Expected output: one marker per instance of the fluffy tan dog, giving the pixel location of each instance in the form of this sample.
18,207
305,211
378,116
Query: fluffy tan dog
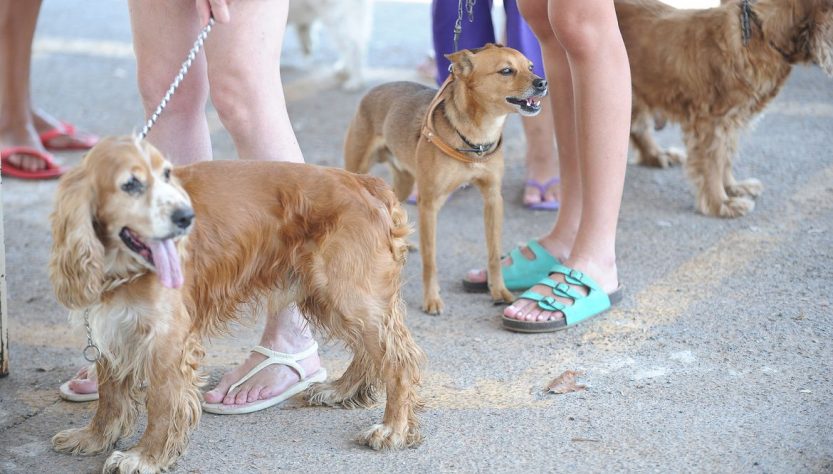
129,254
692,67
444,139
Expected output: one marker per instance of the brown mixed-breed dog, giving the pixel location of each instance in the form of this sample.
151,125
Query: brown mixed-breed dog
153,280
441,140
692,67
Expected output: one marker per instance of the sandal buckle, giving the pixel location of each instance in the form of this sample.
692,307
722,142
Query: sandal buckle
576,274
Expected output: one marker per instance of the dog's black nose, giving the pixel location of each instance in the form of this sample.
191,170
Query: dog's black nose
540,83
183,217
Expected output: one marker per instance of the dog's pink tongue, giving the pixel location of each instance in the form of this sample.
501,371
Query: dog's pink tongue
166,260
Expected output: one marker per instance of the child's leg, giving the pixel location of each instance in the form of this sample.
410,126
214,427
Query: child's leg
541,156
592,48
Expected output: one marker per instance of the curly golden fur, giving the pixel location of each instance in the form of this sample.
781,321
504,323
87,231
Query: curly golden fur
692,67
265,233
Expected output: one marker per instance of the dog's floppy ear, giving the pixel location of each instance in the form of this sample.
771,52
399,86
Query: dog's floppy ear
76,264
460,62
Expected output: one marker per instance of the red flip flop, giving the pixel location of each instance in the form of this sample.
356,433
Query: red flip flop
51,171
66,129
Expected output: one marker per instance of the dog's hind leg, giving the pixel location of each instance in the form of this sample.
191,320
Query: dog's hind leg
114,417
361,145
750,187
358,387
648,152
362,305
403,183
710,145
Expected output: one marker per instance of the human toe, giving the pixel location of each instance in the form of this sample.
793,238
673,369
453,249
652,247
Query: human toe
477,276
83,386
255,394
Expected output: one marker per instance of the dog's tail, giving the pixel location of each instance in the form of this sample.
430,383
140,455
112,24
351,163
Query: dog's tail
399,226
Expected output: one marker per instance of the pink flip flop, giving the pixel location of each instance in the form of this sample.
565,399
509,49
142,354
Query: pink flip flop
84,141
51,171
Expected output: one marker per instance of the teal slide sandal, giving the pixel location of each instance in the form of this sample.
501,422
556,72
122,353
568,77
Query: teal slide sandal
523,273
583,307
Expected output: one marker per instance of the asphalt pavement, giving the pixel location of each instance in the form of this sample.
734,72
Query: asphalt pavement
718,359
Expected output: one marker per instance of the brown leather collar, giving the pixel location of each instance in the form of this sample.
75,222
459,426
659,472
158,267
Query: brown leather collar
431,135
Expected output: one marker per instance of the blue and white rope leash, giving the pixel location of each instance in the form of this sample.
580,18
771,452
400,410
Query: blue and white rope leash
183,70
91,352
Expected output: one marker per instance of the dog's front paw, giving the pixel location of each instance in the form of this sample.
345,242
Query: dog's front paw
381,437
130,462
432,305
80,441
747,188
501,295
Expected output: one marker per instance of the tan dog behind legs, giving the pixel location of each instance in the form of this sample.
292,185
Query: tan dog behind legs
692,67
154,280
465,126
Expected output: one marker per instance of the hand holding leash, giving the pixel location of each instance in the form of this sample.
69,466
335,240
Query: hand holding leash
217,9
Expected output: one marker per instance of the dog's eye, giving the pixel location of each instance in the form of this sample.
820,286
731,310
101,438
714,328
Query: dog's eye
530,67
133,186
167,174
507,71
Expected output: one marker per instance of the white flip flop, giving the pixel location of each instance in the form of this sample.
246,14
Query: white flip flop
272,357
69,395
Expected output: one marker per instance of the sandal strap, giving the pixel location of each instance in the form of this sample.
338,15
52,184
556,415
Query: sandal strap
583,306
281,358
542,187
575,277
561,289
547,303
522,269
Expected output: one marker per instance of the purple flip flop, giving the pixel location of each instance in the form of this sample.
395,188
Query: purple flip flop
542,187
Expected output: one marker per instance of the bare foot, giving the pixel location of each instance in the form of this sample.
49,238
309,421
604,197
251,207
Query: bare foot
542,183
267,383
85,381
553,247
78,139
22,135
539,192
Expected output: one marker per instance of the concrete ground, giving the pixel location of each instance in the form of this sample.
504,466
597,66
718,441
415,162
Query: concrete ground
718,360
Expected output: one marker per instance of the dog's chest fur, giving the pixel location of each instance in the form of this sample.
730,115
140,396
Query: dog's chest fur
125,326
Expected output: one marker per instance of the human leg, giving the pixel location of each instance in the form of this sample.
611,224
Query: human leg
541,155
588,35
248,95
17,30
246,88
542,183
163,32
